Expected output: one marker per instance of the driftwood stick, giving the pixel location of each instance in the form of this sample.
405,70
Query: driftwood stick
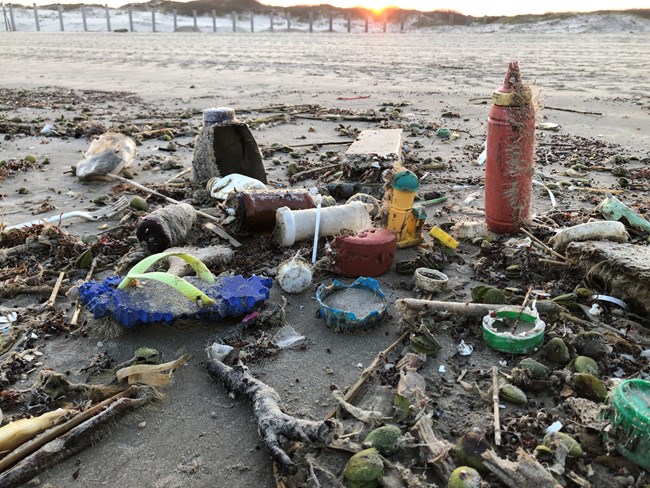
526,471
11,290
153,132
434,451
336,117
495,405
22,249
55,290
69,438
220,231
273,423
463,309
78,307
303,175
354,389
343,142
585,112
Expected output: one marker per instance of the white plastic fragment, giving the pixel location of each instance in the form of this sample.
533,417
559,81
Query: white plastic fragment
595,310
287,337
483,156
442,369
519,243
554,427
221,188
49,130
550,193
503,363
590,231
464,349
645,354
616,301
9,318
218,351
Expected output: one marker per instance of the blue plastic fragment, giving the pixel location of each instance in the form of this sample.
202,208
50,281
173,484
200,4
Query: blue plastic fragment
131,306
347,321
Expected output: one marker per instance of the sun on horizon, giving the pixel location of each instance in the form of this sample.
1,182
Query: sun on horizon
375,5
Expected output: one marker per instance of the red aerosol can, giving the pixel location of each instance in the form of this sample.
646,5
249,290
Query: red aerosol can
509,164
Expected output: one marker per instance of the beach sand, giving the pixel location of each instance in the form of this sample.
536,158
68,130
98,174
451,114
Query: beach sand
200,436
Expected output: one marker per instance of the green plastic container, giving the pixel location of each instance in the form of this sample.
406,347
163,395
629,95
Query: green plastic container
629,415
497,331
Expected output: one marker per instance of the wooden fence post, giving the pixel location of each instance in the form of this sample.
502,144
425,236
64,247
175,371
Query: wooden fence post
175,19
60,9
311,21
196,24
38,26
153,19
108,19
130,19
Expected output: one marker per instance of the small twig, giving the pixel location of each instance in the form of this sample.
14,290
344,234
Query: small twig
78,307
55,290
335,118
462,375
597,190
153,131
523,306
312,475
585,112
546,248
495,406
303,175
182,173
329,143
354,389
557,263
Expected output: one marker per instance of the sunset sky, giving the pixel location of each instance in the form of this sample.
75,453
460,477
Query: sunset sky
468,7
482,7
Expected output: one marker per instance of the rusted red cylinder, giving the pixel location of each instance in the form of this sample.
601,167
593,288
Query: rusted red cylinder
257,208
369,253
510,150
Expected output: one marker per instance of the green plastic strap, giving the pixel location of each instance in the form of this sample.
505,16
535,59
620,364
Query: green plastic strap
201,270
188,290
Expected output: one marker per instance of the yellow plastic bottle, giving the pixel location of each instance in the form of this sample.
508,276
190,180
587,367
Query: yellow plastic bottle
402,217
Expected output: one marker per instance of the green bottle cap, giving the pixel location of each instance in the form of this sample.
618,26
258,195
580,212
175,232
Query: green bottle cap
405,181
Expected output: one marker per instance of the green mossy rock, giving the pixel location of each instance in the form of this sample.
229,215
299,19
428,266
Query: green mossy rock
575,450
139,203
557,351
363,468
591,344
588,386
536,369
584,364
510,393
464,477
386,439
494,297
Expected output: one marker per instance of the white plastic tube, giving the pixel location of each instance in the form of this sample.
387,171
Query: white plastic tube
319,200
296,225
